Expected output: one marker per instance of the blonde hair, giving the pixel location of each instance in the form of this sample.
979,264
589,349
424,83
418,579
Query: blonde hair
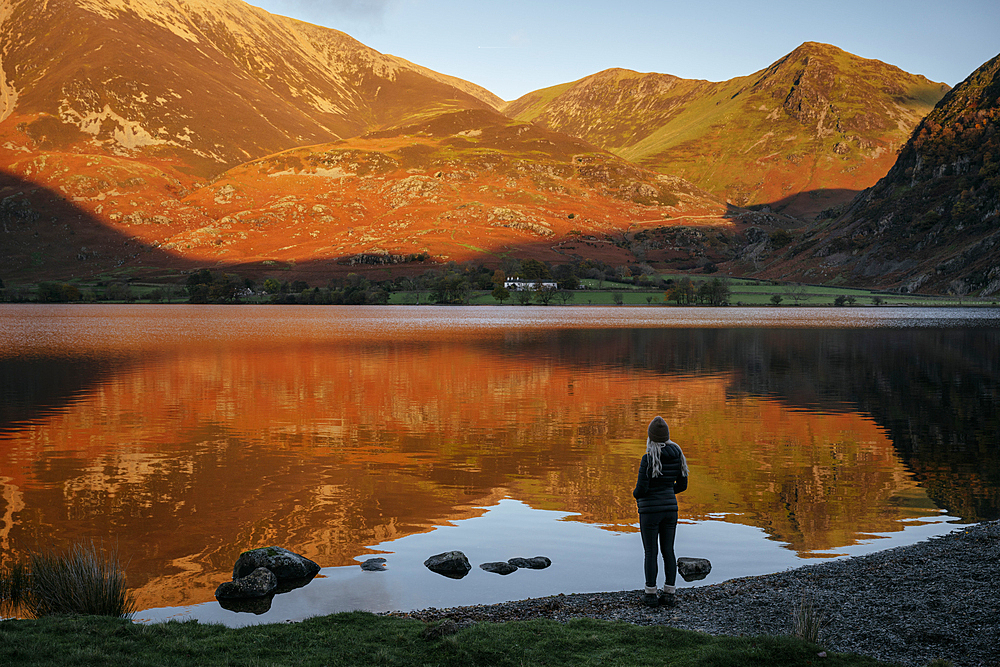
653,451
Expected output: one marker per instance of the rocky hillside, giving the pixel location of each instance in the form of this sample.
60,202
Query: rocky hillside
808,132
933,222
462,185
201,85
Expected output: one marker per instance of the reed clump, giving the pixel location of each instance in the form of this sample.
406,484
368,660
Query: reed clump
86,580
807,619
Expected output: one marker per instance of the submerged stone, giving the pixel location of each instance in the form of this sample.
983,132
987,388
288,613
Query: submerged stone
499,567
536,563
374,565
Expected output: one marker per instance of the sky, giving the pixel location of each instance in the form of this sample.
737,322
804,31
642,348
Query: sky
512,47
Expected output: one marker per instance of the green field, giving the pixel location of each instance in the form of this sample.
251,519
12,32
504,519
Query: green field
742,292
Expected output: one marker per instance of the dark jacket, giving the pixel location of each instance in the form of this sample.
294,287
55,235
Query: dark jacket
656,494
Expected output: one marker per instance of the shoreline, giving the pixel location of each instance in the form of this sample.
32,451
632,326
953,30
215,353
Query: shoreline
936,599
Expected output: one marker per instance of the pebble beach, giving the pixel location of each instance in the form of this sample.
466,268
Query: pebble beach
937,599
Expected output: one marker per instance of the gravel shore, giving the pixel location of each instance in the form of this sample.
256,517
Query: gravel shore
909,605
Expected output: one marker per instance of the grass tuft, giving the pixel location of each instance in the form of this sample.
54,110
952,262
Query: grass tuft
807,619
86,580
13,587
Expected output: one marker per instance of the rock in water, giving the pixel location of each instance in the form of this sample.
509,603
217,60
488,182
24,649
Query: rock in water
452,564
499,567
374,565
693,569
536,563
259,583
282,562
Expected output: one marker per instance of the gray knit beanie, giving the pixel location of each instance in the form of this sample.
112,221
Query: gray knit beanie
658,430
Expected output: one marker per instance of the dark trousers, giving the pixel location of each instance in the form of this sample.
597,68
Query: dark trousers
658,527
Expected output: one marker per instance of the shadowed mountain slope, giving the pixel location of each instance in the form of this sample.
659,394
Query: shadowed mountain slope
804,134
933,222
45,234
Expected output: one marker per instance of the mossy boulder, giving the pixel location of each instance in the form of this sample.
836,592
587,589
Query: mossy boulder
259,583
285,564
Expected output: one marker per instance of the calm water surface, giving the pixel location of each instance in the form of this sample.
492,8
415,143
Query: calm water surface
187,434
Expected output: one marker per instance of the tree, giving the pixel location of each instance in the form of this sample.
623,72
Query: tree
618,297
714,292
565,296
201,277
682,291
49,292
272,286
798,293
500,293
499,278
704,292
569,283
120,292
719,292
377,295
523,296
532,269
776,299
686,287
545,294
226,289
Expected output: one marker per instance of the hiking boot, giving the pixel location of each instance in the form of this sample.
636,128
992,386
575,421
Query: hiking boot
650,599
667,599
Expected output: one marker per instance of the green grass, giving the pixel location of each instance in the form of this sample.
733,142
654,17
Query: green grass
742,293
360,638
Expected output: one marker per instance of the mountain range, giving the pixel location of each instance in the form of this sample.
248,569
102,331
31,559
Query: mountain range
156,135
801,135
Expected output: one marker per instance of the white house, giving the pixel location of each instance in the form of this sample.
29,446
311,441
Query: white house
520,284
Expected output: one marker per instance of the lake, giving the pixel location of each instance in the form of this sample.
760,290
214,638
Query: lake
184,435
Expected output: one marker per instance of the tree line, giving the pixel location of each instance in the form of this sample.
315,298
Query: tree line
450,283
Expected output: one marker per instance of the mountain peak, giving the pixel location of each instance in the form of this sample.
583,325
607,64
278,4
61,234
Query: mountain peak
807,132
212,83
932,222
811,48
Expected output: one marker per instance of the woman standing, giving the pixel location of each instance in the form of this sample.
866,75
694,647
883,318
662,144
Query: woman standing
663,472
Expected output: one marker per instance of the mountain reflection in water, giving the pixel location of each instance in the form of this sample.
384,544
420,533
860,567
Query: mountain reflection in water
186,435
